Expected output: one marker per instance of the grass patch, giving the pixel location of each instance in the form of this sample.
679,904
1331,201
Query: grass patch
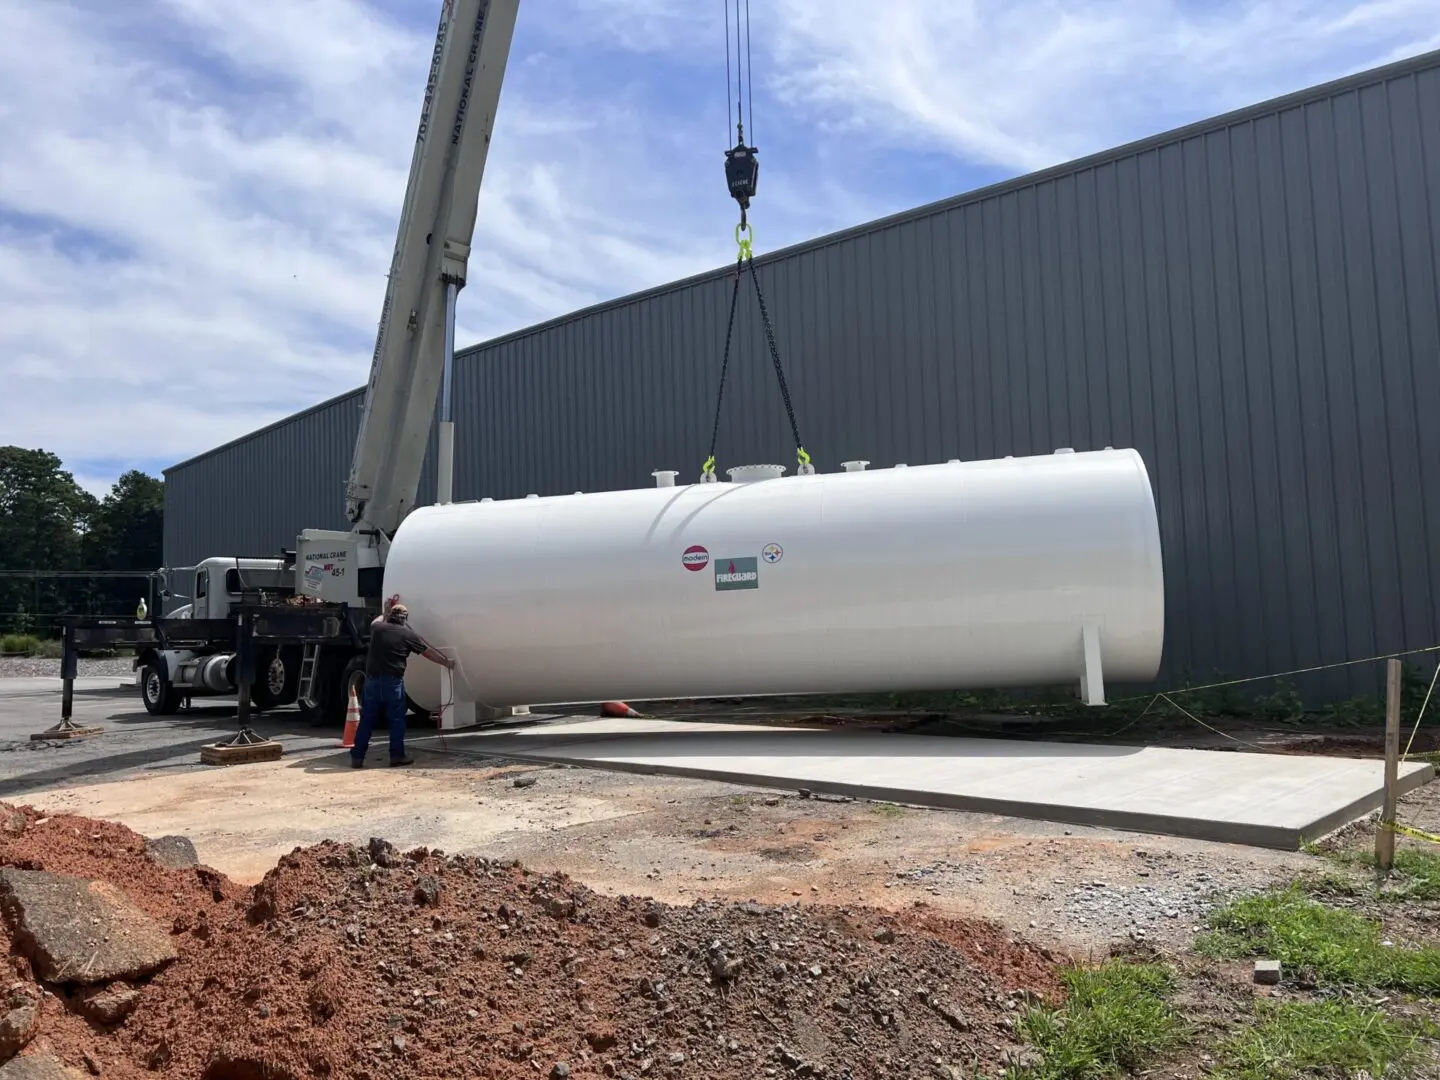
887,809
1419,872
1415,875
1298,1039
1339,946
19,643
1115,1019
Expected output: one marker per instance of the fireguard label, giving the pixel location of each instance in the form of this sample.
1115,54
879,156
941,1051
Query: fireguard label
736,574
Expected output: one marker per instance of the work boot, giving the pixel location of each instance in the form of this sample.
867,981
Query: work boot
357,762
407,760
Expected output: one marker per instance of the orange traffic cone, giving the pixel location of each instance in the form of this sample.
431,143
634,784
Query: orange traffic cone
619,709
352,721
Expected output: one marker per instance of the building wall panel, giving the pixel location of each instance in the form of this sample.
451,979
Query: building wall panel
1251,302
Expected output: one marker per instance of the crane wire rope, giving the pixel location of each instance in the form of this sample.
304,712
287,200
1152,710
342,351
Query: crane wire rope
741,174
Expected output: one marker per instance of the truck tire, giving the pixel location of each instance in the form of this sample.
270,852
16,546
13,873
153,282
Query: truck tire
277,677
353,678
161,697
337,670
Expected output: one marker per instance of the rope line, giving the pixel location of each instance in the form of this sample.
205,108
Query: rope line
1420,715
1287,674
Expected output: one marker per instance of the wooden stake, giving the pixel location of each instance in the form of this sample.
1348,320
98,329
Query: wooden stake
1384,835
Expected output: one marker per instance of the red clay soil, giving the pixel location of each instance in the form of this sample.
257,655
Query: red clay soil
428,966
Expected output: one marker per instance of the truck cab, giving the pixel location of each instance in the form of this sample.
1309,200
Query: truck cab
210,591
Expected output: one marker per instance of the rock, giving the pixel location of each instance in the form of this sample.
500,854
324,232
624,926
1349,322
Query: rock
561,1071
1267,972
19,1022
13,822
382,852
107,1004
172,852
557,907
77,931
772,801
91,1063
951,1015
427,892
524,782
38,1068
884,935
652,915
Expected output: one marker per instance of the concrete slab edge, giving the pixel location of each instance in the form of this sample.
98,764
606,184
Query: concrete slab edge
1281,838
1359,808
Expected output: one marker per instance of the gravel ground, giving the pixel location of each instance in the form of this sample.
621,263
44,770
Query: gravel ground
22,667
1180,888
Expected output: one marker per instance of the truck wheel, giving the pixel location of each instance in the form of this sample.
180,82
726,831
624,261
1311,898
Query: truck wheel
277,678
332,680
354,678
161,697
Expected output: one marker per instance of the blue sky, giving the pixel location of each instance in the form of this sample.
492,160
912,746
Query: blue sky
198,198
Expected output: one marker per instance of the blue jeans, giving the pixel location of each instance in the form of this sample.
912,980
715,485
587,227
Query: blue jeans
382,693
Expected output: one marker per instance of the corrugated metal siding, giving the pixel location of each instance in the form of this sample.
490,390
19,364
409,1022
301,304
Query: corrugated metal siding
1252,304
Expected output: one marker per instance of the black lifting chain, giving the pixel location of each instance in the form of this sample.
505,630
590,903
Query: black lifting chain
742,263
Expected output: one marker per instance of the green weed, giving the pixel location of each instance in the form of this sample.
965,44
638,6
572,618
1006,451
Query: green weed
1339,946
887,809
1114,1020
1295,1040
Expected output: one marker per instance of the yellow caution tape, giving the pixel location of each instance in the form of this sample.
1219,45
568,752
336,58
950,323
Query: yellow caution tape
1406,830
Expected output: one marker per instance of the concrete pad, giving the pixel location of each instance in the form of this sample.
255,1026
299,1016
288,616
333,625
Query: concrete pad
1265,800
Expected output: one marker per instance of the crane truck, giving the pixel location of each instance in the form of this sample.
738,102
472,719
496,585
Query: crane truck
293,628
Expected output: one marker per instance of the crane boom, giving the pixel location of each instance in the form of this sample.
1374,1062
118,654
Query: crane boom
432,249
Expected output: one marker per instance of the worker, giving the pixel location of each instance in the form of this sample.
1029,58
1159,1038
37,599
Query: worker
391,643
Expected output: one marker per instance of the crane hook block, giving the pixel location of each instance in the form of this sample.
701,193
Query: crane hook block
742,172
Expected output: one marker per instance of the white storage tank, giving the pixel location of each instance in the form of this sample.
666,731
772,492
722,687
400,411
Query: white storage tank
1034,571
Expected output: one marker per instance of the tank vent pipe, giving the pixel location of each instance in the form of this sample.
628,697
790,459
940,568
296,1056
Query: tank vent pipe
854,466
665,477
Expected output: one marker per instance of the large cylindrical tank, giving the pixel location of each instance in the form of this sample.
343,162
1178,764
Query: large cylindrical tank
981,574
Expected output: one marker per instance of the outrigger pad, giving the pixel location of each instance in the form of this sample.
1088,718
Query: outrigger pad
66,730
241,753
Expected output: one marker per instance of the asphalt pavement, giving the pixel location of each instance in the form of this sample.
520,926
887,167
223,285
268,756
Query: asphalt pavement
134,743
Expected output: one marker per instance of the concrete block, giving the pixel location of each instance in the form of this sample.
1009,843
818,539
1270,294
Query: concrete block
1267,972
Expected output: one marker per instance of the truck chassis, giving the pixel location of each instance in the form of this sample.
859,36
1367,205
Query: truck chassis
270,654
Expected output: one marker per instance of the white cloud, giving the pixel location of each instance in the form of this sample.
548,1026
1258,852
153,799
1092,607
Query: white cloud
1029,84
198,199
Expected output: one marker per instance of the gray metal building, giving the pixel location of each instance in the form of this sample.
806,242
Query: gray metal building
1253,302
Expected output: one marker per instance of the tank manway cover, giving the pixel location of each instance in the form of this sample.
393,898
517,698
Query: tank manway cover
744,474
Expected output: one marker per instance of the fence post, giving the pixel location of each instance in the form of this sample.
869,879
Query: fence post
1384,834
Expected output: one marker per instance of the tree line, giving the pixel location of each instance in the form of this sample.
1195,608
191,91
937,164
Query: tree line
58,542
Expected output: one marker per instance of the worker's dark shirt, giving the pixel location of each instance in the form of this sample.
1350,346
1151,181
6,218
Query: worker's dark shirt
390,645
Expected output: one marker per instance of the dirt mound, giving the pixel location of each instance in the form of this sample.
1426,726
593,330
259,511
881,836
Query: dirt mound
368,963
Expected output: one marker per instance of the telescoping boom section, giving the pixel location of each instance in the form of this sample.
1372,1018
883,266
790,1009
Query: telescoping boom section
432,251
